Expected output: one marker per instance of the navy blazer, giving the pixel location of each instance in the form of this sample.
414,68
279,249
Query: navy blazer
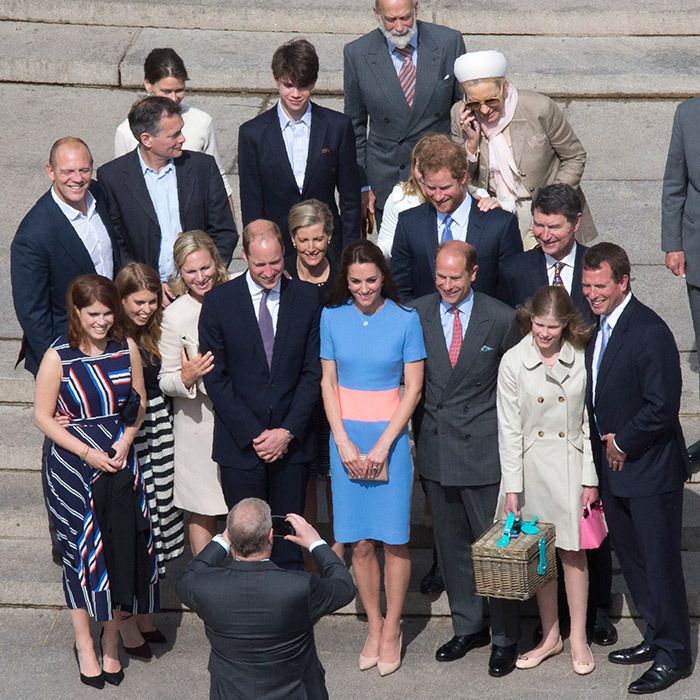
638,395
522,275
248,396
267,185
201,196
46,255
494,234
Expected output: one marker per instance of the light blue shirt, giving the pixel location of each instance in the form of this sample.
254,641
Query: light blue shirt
447,317
460,221
397,59
296,135
162,188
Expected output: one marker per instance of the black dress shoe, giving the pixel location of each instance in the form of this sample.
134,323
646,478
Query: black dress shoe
502,660
604,633
640,654
459,645
694,452
658,677
432,582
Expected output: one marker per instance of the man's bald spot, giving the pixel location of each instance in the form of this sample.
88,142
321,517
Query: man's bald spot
67,141
466,250
261,230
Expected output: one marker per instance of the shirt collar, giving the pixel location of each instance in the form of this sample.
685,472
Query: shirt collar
256,290
146,168
614,316
461,214
71,213
413,43
462,306
285,119
569,260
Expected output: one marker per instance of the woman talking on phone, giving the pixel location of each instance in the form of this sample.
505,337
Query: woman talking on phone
516,140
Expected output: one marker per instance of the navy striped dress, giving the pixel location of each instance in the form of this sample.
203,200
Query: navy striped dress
93,388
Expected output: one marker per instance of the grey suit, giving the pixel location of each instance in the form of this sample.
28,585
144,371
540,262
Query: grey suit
457,451
680,204
372,92
259,620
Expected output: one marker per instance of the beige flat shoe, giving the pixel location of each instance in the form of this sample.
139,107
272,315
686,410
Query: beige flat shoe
525,661
583,668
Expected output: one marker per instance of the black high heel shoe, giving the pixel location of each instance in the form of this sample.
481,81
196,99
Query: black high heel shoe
116,677
93,681
142,651
154,637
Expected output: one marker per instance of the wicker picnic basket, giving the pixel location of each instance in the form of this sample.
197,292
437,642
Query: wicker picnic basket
511,571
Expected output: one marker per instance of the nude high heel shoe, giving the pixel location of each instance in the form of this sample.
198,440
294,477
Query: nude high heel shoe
387,667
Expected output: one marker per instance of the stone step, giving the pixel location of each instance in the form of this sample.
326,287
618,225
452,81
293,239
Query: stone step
566,17
232,61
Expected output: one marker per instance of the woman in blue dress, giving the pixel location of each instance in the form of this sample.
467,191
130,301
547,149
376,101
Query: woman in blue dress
95,489
368,343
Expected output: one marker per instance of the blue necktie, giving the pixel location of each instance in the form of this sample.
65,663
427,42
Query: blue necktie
267,331
605,337
447,231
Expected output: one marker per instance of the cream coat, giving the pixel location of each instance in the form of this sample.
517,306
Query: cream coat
544,443
545,149
197,482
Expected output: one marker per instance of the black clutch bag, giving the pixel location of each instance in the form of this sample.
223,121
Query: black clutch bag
130,408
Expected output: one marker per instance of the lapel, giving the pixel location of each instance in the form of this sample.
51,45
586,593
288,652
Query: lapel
428,233
538,268
476,223
435,345
427,73
518,136
615,344
477,330
275,142
66,236
385,78
561,369
319,127
248,317
284,319
185,184
136,184
579,300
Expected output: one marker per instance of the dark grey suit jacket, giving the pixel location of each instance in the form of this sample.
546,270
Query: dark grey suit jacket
680,204
456,424
373,94
259,620
201,196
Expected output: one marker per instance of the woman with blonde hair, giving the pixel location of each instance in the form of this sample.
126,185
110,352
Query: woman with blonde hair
197,488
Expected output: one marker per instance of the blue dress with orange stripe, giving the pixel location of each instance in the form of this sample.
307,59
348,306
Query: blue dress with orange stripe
370,352
90,527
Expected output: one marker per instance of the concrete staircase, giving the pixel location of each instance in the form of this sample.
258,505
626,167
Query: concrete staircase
75,67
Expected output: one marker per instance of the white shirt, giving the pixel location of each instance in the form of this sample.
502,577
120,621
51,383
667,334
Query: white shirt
296,135
92,233
273,298
612,318
460,221
567,272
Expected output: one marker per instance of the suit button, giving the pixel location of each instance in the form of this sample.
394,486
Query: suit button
562,435
386,120
435,431
401,142
561,399
439,406
467,436
438,115
466,408
402,166
541,433
540,399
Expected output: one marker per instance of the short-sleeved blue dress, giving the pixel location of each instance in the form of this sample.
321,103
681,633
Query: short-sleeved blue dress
369,352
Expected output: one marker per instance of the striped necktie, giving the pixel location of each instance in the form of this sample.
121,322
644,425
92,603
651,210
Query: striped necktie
407,74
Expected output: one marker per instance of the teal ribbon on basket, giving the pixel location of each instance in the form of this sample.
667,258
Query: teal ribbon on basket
542,565
513,527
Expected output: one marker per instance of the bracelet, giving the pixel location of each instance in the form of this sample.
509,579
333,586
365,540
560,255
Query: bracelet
84,455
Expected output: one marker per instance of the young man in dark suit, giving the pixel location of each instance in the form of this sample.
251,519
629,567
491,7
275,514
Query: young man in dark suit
263,330
158,190
450,213
633,397
298,150
265,650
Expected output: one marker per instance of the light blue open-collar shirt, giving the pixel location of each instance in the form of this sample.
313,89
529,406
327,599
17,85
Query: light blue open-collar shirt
296,135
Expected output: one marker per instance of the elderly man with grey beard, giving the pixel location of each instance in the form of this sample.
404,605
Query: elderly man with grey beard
398,85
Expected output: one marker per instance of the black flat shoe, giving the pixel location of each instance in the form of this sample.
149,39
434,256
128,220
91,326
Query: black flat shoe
459,645
93,681
640,654
657,678
502,660
604,633
154,637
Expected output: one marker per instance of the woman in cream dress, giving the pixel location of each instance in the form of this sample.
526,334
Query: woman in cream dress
546,458
516,140
197,482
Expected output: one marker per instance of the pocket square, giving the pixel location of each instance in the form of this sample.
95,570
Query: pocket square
537,141
486,348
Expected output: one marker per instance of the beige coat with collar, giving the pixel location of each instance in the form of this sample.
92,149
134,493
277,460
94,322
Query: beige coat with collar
543,437
545,149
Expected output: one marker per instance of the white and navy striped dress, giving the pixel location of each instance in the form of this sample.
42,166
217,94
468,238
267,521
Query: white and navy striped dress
155,452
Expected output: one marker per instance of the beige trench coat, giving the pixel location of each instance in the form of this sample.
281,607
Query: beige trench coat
543,437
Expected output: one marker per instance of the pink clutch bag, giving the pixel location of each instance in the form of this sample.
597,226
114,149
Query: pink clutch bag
592,528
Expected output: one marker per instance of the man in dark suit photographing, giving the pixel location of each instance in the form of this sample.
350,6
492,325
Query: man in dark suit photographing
633,396
259,618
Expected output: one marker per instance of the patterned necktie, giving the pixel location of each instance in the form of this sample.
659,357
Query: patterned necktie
267,331
456,342
557,281
447,231
407,74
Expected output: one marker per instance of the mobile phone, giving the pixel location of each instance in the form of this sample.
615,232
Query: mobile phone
281,527
190,345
